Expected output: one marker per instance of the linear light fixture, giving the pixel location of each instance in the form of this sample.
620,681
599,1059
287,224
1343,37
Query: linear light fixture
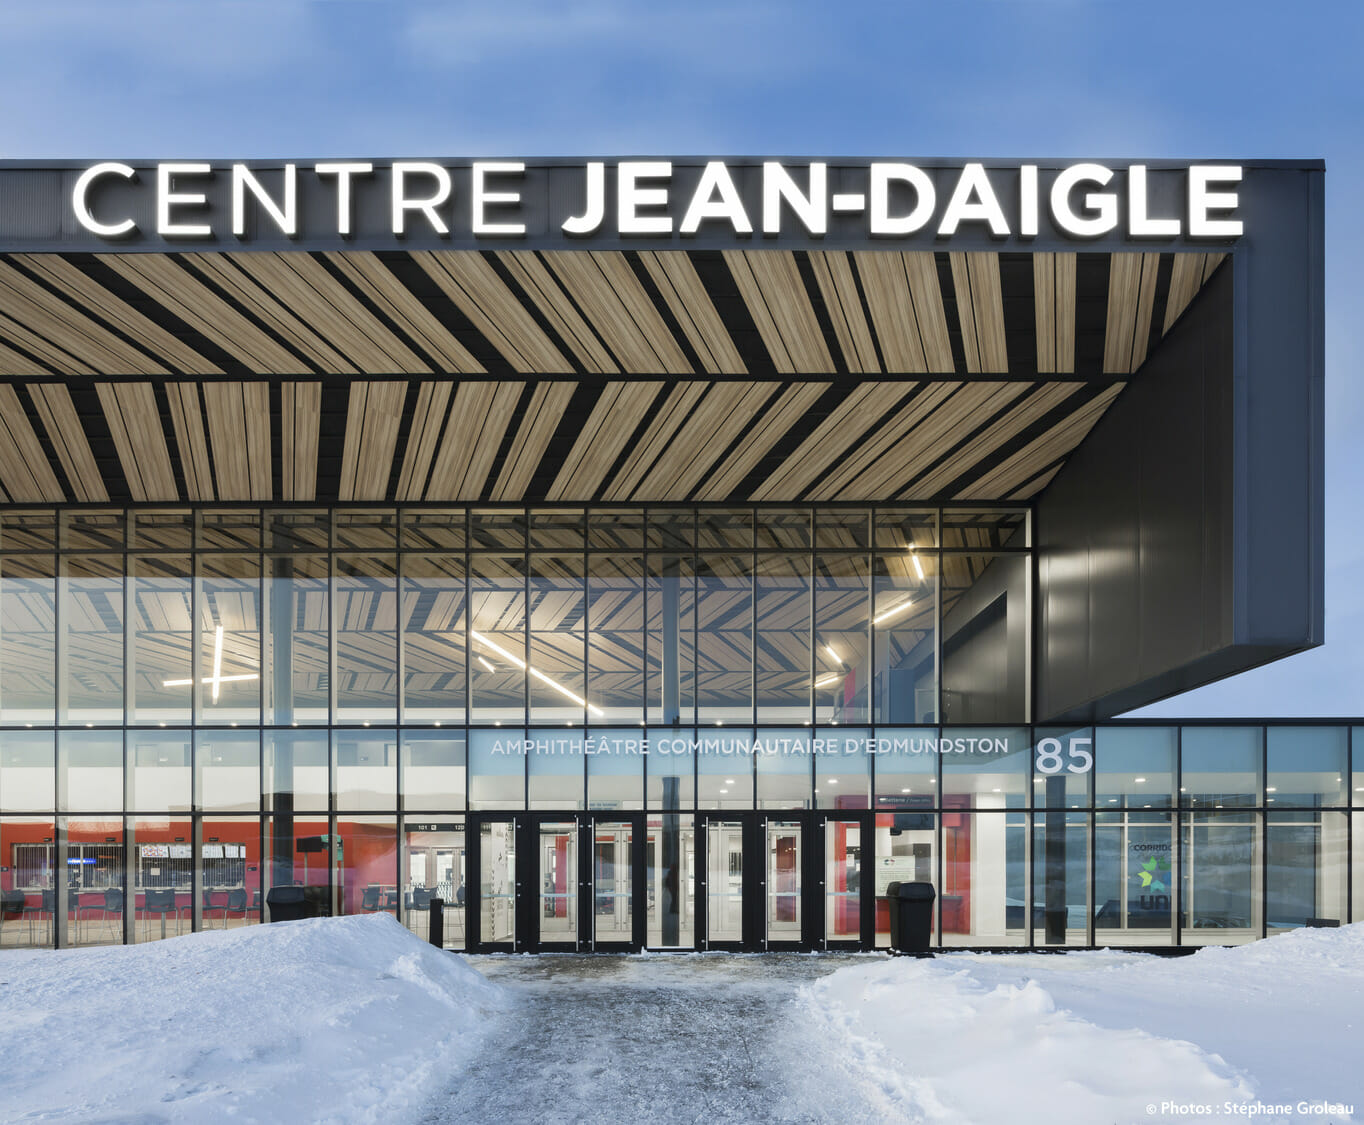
893,611
833,655
488,664
827,680
918,566
217,679
539,675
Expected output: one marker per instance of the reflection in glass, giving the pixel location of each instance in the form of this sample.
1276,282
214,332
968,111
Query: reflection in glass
160,673
90,682
160,764
671,640
670,767
556,679
497,882
89,771
433,868
615,638
670,856
366,769
985,767
985,621
783,759
368,864
558,913
842,658
1308,766
1220,878
297,677
93,860
28,640
556,763
782,668
434,652
1060,878
1221,767
228,765
1305,869
1134,767
229,688
905,852
433,770
724,640
366,613
612,882
985,879
1134,878
904,615
497,678
497,769
297,774
28,776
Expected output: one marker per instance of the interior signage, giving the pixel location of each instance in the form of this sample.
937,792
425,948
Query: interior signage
654,199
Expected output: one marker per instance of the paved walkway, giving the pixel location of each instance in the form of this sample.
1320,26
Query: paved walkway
665,1038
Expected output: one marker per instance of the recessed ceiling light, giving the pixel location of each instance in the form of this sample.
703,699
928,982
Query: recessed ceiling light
994,790
906,791
1140,780
1271,789
833,781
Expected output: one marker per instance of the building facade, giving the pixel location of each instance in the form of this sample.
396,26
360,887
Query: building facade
662,554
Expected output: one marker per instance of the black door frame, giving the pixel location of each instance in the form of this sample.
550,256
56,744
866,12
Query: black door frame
866,843
473,900
639,883
749,934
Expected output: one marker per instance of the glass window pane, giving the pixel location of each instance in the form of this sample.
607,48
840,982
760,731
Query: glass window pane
723,528
160,765
433,770
1357,774
229,639
971,528
28,882
298,529
899,529
163,876
297,771
434,652
92,531
368,864
230,530
839,529
228,765
782,597
366,769
843,768
1221,767
497,769
843,858
25,530
90,771
90,685
171,530
556,769
93,858
670,766
615,769
366,611
1305,869
985,638
784,760
724,640
724,765
28,640
671,639
301,851
985,768
557,679
375,530
159,675
615,638
904,614
1134,767
433,867
1060,878
1219,878
615,529
671,529
670,855
441,529
1063,761
1308,766
985,879
495,530
906,852
906,767
28,775
297,672
783,530
497,678
556,529
1134,855
842,666
230,872
1357,836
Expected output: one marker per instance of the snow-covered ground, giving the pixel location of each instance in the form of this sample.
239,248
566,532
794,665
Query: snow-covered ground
330,1020
1229,1033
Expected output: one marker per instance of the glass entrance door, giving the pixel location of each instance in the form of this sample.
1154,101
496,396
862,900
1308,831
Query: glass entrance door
497,885
670,855
613,892
433,868
844,855
785,856
557,882
724,882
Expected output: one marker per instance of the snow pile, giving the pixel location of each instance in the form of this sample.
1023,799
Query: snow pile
327,1020
1104,1036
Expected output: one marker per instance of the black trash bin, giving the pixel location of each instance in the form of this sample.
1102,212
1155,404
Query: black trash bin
911,917
288,904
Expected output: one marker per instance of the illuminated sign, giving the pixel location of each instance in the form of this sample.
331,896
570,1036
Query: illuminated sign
743,200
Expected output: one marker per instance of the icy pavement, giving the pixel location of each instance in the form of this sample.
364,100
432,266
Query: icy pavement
667,1038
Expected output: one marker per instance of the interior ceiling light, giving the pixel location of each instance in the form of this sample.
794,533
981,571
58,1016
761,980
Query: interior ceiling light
918,566
539,675
217,679
833,655
827,680
893,611
488,664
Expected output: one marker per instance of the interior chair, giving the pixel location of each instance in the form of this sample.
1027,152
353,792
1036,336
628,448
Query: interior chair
45,907
235,905
113,909
210,906
161,902
11,908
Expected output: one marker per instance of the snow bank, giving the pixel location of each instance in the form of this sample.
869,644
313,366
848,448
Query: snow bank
328,1020
1102,1036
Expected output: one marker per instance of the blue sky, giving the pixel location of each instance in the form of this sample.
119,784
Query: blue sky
239,78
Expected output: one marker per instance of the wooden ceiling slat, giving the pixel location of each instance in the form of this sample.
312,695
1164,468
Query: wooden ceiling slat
260,296
58,360
472,286
555,305
937,435
793,404
835,277
829,441
1124,281
374,417
183,294
1210,264
135,425
983,445
537,429
342,312
612,424
1186,276
43,312
657,439
239,435
770,283
16,363
921,267
727,411
606,289
428,418
300,427
1039,453
64,431
484,452
24,468
1044,309
368,274
685,295
892,309
1066,264
1034,486
187,420
1146,305
980,309
80,287
478,423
